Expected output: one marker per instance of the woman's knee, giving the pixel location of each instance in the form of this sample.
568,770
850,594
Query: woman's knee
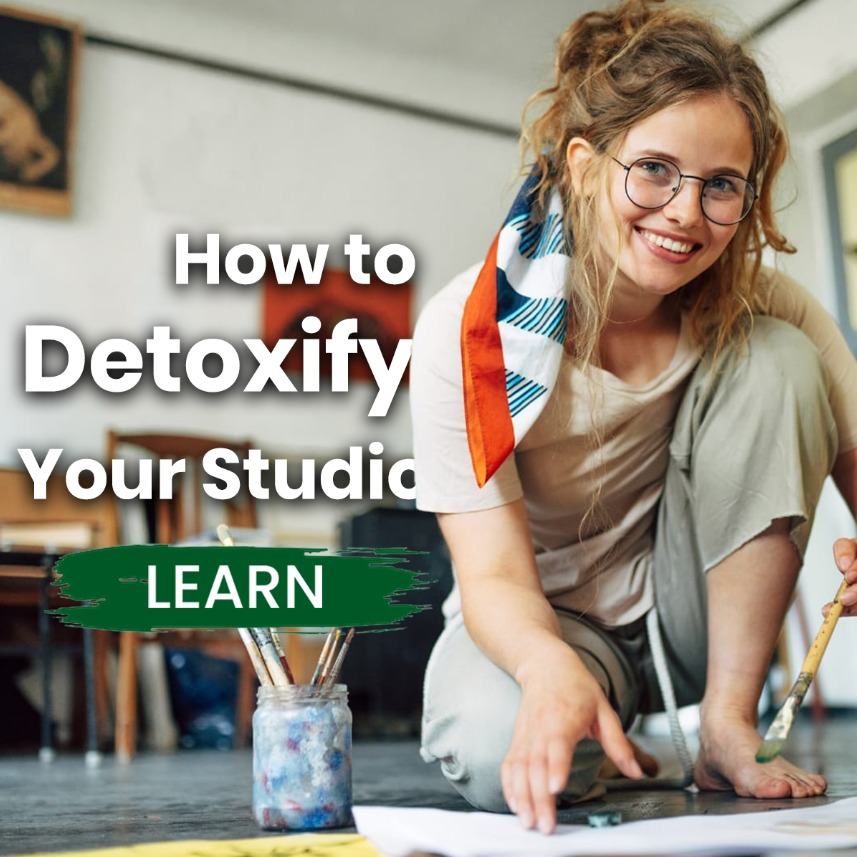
782,357
470,744
473,766
468,718
475,772
769,401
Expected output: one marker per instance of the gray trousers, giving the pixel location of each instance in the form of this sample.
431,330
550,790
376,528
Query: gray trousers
753,442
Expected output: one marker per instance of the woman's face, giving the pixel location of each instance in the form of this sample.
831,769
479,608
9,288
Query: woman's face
706,136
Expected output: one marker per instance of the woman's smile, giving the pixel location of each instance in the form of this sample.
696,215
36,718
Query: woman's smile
669,246
660,250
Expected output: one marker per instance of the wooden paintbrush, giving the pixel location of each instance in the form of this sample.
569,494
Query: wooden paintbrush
340,658
322,658
329,661
281,654
779,729
270,668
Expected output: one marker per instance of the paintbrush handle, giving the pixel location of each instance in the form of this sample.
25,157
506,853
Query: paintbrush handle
270,668
255,657
822,638
262,638
322,658
340,658
782,724
281,654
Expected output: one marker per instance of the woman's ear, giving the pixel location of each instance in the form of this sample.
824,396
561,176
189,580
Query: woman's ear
578,155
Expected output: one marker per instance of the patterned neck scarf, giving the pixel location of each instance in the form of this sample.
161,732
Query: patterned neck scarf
513,329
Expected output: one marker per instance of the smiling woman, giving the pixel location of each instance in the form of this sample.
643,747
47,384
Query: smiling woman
624,423
654,213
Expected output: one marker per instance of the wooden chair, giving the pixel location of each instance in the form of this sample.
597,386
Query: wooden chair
171,521
33,534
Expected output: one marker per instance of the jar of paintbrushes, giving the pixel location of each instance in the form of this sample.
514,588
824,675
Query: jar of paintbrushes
301,734
302,758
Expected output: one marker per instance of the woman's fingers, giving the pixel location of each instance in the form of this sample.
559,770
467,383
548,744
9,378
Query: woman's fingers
649,764
845,555
535,770
531,782
544,802
848,599
514,776
846,610
549,725
609,733
559,765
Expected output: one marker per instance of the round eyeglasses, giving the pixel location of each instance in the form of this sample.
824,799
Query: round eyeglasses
653,182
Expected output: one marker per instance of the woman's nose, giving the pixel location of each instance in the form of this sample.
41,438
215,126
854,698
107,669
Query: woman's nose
686,206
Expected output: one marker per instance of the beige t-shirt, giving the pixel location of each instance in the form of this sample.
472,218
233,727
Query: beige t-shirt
606,573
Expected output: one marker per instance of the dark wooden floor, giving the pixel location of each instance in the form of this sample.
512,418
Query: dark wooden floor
206,794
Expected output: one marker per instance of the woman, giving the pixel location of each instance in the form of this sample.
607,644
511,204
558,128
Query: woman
624,423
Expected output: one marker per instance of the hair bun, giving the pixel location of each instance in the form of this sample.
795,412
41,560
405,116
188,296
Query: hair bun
596,38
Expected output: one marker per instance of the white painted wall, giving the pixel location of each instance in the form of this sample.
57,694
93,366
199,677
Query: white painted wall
412,52
163,147
807,52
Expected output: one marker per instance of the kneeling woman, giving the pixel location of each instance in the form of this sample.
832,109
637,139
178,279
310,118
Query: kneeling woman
624,423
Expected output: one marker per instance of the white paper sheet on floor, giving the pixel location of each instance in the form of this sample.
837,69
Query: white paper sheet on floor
398,831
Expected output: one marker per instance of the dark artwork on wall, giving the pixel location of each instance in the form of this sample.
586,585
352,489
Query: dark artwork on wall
39,58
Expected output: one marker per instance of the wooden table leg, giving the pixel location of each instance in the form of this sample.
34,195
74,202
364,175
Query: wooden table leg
126,696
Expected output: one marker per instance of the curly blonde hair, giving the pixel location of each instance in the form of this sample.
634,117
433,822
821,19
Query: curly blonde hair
615,68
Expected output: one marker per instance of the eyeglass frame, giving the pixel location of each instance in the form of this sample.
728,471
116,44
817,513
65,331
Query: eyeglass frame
681,176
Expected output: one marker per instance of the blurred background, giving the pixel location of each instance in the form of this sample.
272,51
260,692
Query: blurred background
293,122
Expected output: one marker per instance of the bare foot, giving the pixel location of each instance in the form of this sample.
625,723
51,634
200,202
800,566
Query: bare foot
727,760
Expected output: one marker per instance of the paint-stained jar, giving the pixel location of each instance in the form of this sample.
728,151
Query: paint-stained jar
302,758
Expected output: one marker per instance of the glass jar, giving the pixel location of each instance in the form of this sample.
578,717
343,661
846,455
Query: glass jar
302,758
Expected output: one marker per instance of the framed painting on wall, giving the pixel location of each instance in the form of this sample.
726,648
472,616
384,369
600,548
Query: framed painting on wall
840,173
39,57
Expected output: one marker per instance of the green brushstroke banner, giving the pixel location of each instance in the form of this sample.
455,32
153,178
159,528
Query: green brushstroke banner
159,587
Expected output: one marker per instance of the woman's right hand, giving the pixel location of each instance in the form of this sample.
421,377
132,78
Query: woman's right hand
510,619
561,704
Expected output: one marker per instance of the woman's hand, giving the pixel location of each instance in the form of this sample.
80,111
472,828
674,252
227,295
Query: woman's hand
511,621
561,703
845,550
845,554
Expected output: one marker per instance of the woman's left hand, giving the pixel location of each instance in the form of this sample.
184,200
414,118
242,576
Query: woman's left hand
845,554
845,550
